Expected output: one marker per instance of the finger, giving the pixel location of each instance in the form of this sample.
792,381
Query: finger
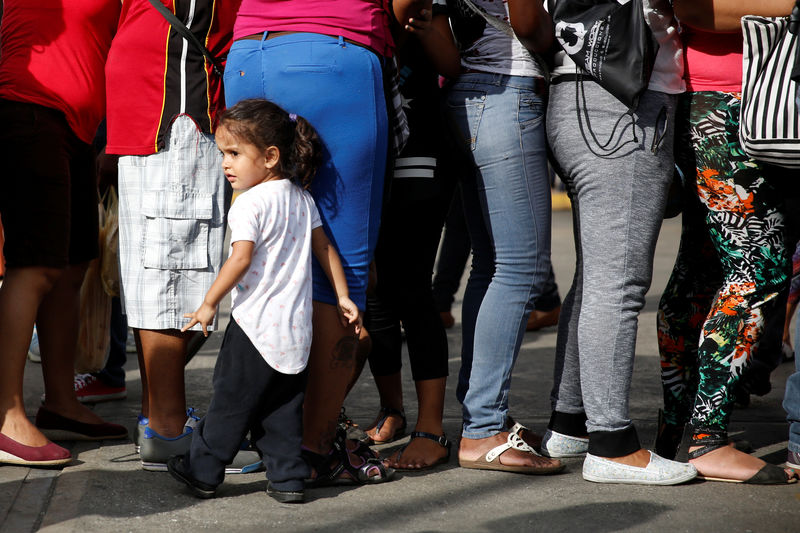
205,331
191,323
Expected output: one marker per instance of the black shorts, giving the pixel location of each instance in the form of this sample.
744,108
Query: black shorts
48,190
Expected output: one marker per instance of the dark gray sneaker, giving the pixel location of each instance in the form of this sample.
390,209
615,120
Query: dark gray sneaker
155,449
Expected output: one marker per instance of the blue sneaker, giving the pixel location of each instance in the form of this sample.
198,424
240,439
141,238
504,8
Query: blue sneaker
246,461
138,433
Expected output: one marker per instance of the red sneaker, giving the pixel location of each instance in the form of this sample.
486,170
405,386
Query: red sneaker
90,389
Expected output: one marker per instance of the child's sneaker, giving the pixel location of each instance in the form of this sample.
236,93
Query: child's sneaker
91,389
33,350
285,496
178,470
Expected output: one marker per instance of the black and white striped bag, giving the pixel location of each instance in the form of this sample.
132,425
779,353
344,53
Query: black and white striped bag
769,124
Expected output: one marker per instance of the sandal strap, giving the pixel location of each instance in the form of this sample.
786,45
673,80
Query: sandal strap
441,440
514,442
387,412
708,442
517,428
321,464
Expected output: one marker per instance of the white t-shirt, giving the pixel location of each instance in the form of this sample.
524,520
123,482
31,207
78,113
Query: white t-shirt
272,301
495,51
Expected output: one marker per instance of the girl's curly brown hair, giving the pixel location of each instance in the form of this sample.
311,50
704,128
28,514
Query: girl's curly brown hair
264,124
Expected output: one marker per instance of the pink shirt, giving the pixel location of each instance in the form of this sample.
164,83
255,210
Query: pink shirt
363,21
713,60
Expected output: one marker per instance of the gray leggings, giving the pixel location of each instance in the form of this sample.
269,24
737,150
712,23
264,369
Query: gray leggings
618,204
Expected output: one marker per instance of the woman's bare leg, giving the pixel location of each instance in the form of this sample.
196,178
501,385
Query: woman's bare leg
21,294
330,368
163,357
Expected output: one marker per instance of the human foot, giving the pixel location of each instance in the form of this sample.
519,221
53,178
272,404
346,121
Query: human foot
534,440
726,463
542,319
504,451
74,410
21,430
640,458
425,450
347,463
389,426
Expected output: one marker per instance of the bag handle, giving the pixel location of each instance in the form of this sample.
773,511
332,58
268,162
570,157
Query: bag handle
181,28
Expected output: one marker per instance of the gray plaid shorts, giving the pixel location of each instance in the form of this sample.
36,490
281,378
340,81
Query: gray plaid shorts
172,208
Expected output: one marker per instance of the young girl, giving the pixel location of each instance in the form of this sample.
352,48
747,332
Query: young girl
260,377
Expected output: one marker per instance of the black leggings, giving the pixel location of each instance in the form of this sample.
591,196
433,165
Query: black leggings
409,237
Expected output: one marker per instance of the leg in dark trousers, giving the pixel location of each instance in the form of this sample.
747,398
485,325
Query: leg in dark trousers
456,248
247,391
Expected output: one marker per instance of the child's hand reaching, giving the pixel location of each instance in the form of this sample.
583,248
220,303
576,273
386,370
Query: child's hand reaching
348,313
203,316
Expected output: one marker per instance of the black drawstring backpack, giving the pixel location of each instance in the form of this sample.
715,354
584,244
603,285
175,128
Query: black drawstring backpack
610,41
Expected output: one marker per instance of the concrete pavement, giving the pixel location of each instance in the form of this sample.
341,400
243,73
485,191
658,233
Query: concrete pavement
104,489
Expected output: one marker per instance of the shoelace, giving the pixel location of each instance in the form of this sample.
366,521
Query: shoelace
82,381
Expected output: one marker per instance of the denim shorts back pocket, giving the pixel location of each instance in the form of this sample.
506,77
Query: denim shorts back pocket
531,109
176,229
464,110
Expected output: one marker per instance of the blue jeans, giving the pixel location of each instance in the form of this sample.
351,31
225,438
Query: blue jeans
499,121
791,397
338,87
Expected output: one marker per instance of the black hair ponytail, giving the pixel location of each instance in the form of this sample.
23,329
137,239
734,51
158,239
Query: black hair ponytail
264,124
306,153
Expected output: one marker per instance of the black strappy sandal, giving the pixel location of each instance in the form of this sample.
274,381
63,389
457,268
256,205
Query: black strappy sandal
385,413
441,440
768,475
337,469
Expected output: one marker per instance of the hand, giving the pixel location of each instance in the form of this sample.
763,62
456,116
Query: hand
203,316
348,313
420,25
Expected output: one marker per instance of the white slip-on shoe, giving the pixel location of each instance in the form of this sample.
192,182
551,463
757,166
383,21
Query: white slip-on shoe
659,471
556,444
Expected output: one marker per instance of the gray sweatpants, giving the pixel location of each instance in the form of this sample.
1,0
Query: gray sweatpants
618,204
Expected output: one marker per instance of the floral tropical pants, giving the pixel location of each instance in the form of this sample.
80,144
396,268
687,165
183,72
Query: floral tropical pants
731,264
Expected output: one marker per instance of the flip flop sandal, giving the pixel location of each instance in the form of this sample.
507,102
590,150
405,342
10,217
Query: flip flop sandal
441,440
399,433
518,428
491,461
768,475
